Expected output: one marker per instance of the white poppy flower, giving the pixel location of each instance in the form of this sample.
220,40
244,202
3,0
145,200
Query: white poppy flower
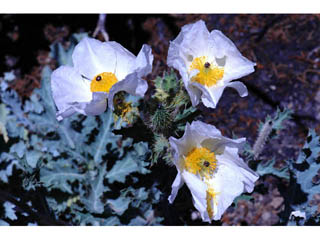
101,69
207,62
210,166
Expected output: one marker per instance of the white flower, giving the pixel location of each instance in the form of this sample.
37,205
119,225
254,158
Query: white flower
210,166
101,69
207,62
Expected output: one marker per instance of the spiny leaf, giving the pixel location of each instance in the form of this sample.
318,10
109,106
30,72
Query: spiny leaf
105,137
60,177
133,161
268,168
9,211
3,120
94,203
306,171
119,205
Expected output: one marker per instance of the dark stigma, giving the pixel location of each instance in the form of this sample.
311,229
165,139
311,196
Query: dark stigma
207,65
206,164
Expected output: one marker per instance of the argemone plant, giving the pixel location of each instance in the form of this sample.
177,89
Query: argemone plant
101,69
109,164
207,62
211,167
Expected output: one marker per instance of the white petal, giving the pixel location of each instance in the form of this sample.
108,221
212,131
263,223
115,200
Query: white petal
98,104
91,57
236,65
69,89
209,96
198,190
194,93
230,157
132,84
194,38
210,137
177,184
191,42
143,62
185,144
123,58
227,183
240,87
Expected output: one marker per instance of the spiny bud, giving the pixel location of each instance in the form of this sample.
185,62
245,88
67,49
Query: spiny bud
262,138
161,120
161,149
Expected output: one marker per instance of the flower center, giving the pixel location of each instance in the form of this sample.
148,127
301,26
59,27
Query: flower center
103,82
209,73
201,160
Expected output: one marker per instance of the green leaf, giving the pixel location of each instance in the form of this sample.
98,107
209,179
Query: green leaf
3,120
3,223
306,169
94,203
8,162
9,211
268,168
105,137
119,205
18,148
33,157
132,162
60,177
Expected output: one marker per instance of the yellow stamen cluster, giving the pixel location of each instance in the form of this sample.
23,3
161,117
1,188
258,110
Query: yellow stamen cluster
202,161
103,82
209,74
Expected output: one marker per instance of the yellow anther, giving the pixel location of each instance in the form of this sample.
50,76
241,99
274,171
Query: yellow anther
201,160
103,82
209,73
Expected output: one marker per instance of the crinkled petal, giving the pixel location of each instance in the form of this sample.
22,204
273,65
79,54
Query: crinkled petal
231,157
198,190
240,87
92,57
143,62
184,145
236,65
177,184
191,42
209,96
193,39
98,104
228,184
69,89
124,60
132,84
210,137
